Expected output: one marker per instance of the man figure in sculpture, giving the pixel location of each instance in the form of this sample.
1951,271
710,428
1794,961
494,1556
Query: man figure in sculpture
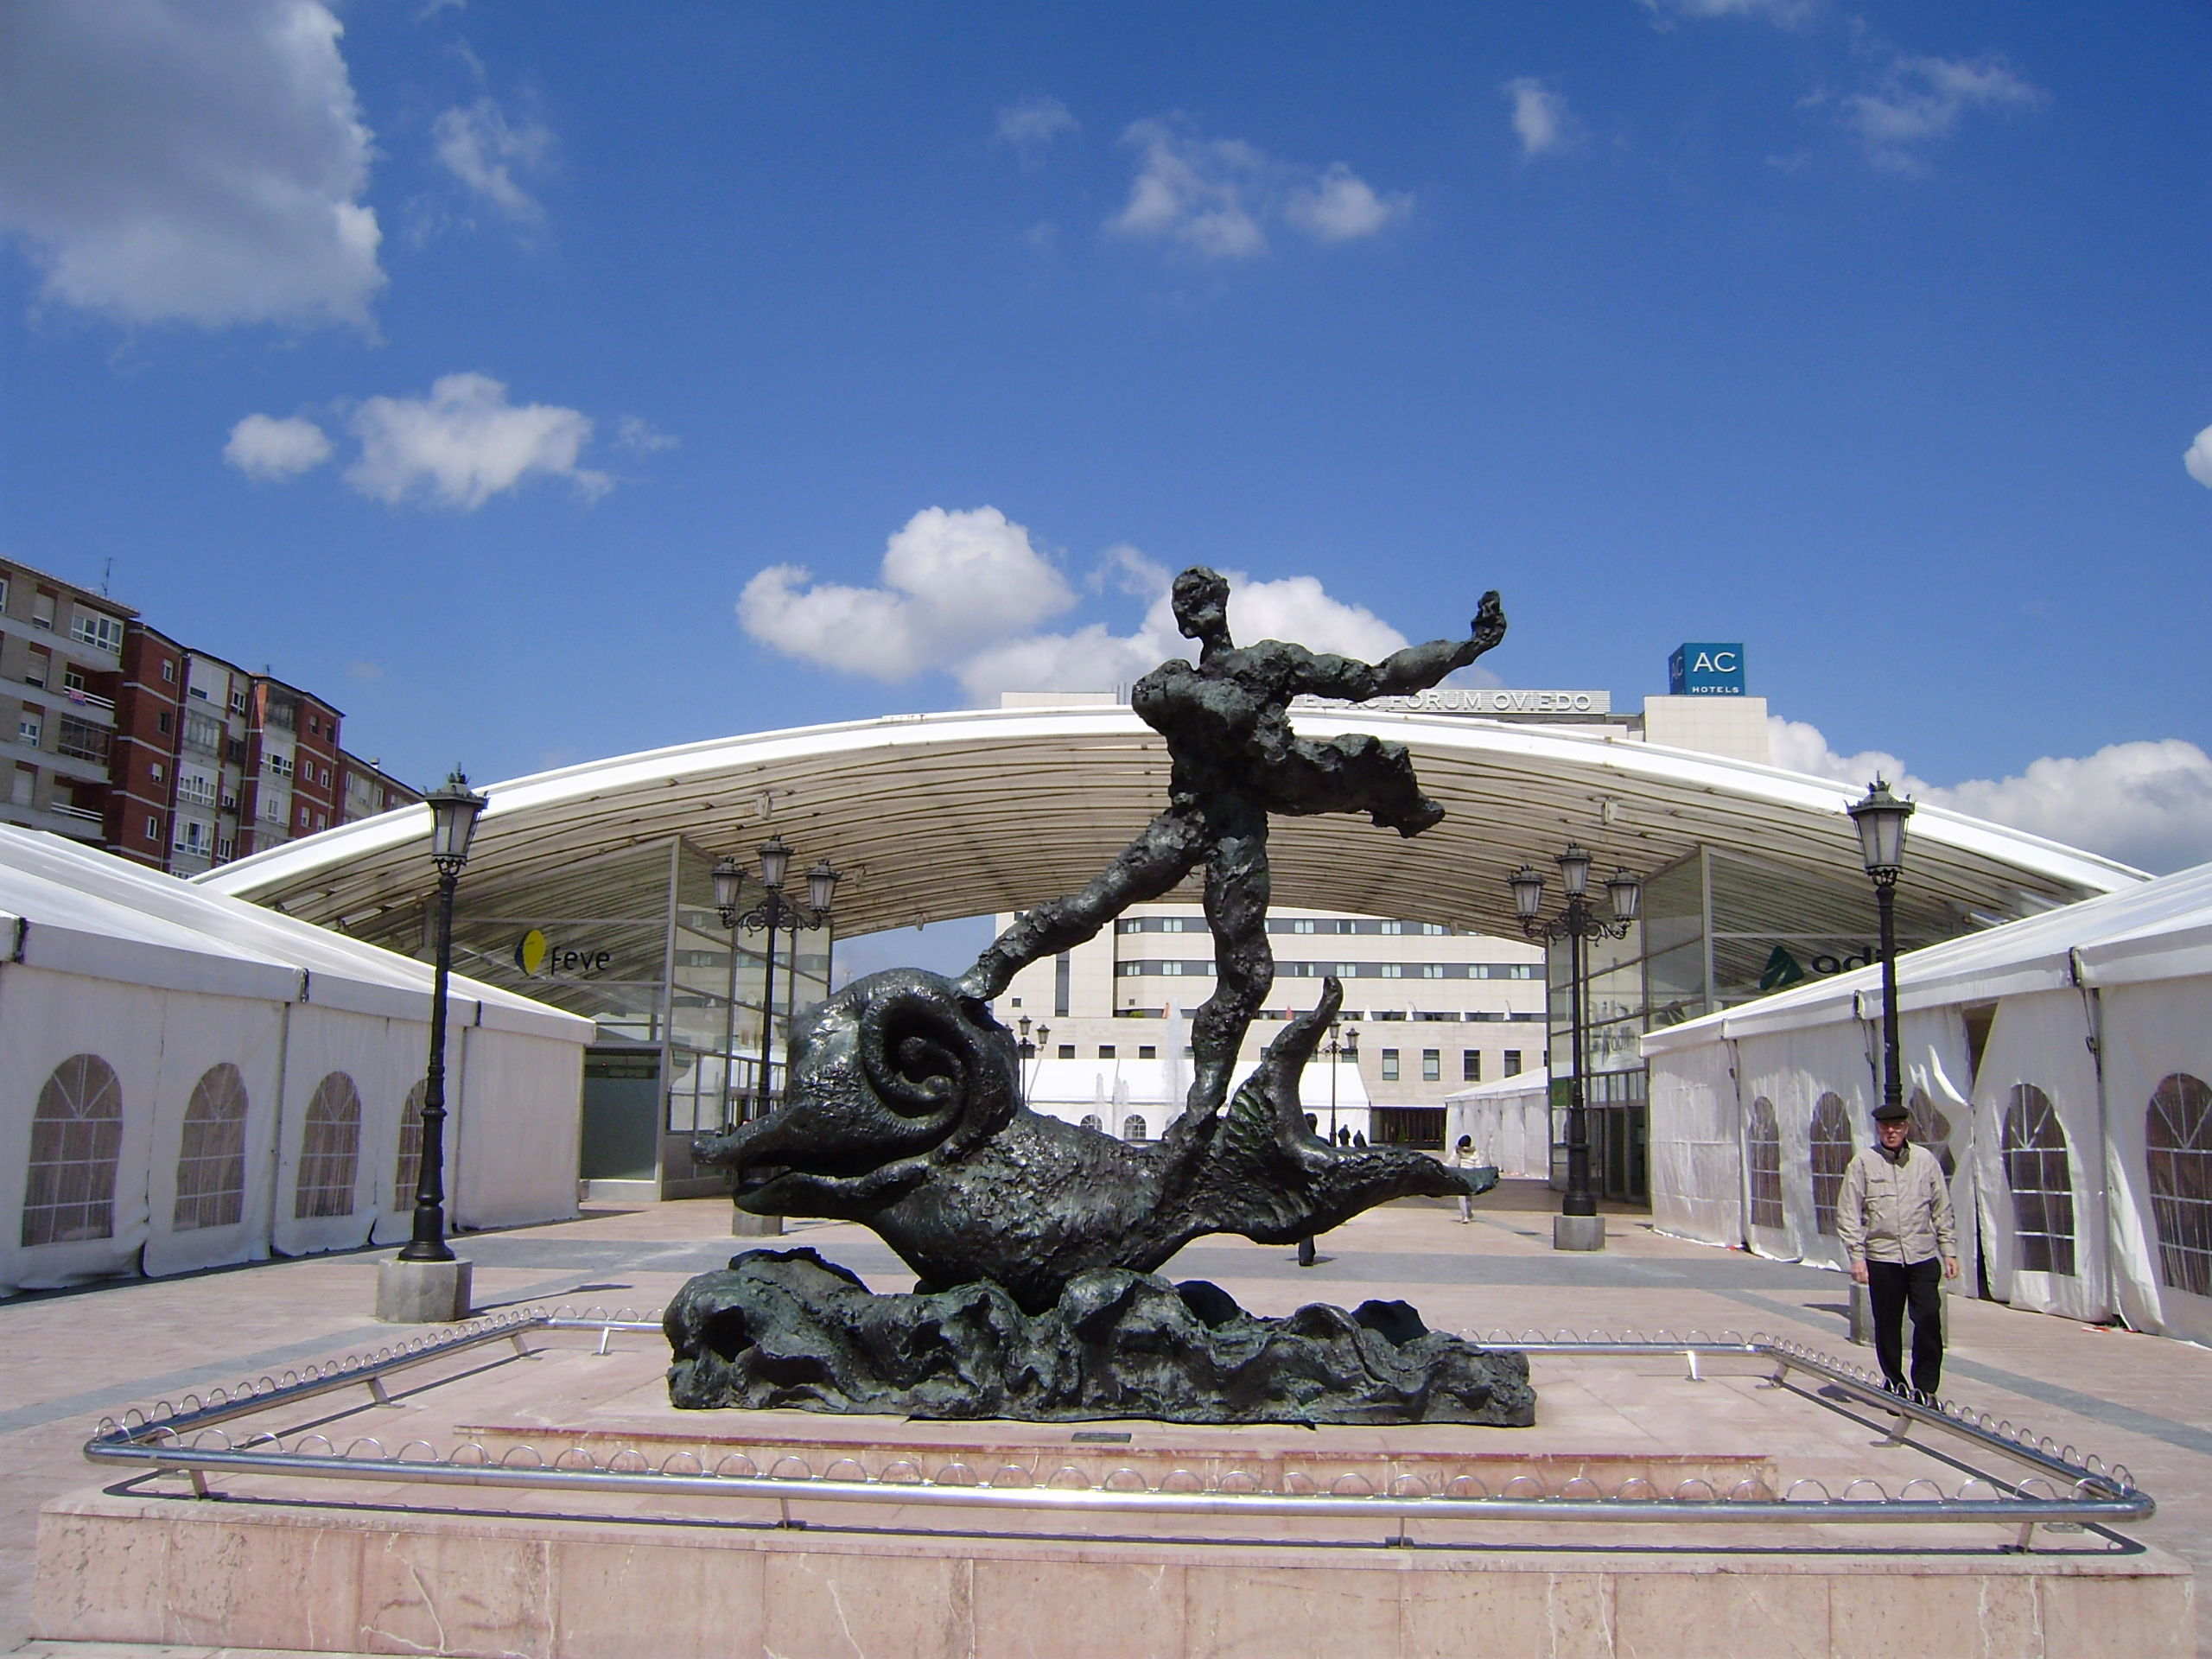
1235,760
1894,1220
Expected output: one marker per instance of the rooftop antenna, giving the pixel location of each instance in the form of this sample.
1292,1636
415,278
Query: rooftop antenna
106,571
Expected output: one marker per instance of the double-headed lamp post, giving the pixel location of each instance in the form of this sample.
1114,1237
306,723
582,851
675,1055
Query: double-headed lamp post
454,813
774,913
1029,1051
1577,1227
1350,1046
1880,821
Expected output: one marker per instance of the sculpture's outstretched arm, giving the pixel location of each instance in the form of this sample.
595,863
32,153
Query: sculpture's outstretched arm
1414,669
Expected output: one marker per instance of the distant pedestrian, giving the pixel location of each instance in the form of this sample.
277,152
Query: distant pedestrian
1463,1157
1894,1220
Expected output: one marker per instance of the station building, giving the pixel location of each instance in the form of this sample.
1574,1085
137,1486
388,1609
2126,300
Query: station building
590,887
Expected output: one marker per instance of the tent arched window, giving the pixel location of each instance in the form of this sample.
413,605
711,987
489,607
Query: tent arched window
1831,1157
1931,1127
2178,1133
330,1149
76,1135
2041,1176
1763,1150
211,1163
1133,1128
1092,1121
409,1175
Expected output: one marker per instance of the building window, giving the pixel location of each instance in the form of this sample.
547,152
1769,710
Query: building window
1512,1066
211,1167
1431,1066
168,673
1062,972
76,1135
153,827
1431,970
1092,1121
2178,1132
1148,1052
1831,1157
1931,1128
82,741
1434,930
153,770
1394,970
101,633
2039,1173
1391,927
329,1150
1067,1050
164,722
1105,1050
409,1174
1763,1153
1133,1128
29,730
1470,1065
1389,1065
1302,925
238,702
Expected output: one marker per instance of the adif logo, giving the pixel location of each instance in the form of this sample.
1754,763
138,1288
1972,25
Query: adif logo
529,952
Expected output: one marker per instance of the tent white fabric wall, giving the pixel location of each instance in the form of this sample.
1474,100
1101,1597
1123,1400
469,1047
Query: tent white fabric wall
1697,1165
163,981
1509,1122
2094,1006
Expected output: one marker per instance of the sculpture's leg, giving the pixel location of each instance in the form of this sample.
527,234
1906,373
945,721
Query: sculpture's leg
1169,849
1237,883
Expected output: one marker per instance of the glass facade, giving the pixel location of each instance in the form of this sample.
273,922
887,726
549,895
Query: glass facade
1716,929
632,939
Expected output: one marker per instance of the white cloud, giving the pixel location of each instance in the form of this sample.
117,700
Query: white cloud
1092,659
1542,120
1031,124
482,149
1918,100
167,161
632,433
1215,196
263,447
466,443
2199,458
951,581
2146,803
1341,207
1787,13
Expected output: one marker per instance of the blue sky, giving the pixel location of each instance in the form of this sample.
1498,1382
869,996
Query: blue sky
476,364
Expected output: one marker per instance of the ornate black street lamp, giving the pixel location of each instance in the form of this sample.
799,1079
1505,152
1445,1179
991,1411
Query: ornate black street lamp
1029,1051
774,913
453,811
1578,923
1349,1046
1880,821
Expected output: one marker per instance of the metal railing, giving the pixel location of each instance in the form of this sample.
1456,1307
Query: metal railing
2066,1487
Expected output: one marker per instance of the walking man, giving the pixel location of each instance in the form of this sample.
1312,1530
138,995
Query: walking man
1894,1218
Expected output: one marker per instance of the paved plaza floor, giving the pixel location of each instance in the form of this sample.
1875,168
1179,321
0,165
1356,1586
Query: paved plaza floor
67,1359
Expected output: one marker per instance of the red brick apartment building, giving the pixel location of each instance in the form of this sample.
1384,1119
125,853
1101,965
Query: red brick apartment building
129,739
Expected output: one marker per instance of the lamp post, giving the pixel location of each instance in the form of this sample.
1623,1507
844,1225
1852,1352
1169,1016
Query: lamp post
1350,1046
1880,820
1578,1226
774,912
453,811
1030,1052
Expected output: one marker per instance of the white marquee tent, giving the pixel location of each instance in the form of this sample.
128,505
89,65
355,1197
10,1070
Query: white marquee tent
188,1080
1510,1122
2060,1065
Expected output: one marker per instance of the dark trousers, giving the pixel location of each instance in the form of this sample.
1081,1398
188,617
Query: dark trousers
1890,1285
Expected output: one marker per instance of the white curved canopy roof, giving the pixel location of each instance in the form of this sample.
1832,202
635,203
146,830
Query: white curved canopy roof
933,817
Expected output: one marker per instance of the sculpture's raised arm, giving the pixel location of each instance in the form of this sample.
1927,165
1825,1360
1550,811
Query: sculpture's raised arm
1414,669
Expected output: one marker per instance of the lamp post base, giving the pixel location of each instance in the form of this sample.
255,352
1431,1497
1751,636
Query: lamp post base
743,1223
1578,1232
422,1293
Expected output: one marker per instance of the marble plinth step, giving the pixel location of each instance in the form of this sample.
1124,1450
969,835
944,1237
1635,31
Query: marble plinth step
370,1573
1277,1458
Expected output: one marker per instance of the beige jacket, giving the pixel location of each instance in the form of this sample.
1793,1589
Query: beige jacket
1895,1213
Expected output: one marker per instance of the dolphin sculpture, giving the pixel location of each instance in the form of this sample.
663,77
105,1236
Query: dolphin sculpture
906,1114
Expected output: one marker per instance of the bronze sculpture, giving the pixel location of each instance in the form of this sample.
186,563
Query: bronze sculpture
906,1114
